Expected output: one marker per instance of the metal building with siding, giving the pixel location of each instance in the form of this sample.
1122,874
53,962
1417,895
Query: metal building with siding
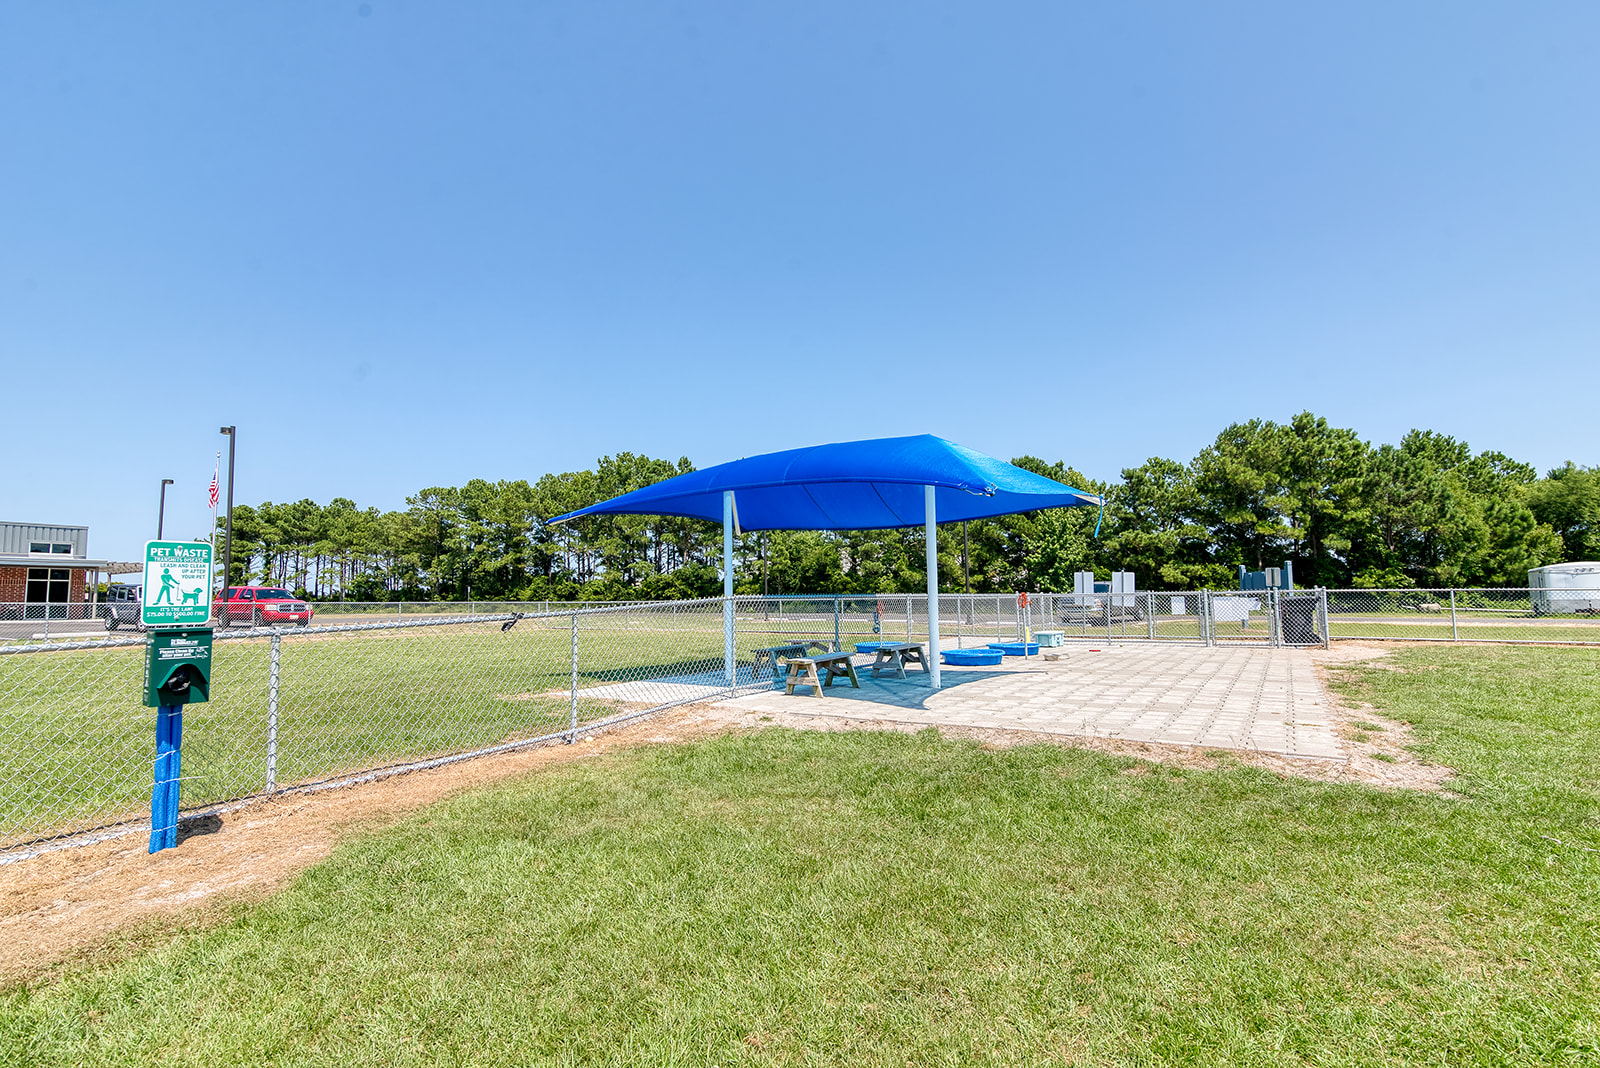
44,572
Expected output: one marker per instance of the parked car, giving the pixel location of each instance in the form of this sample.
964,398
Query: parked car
123,606
261,606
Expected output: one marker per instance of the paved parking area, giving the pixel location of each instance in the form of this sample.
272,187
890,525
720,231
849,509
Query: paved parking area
1263,699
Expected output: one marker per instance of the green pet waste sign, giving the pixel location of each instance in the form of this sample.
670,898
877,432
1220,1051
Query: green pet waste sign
177,584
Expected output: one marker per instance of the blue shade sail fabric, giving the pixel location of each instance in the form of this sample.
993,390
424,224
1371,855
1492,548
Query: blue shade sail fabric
851,485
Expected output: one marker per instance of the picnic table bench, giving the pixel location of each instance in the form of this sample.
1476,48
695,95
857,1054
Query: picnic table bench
803,671
771,655
896,655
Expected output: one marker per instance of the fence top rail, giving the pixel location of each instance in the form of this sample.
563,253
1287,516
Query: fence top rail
57,647
224,633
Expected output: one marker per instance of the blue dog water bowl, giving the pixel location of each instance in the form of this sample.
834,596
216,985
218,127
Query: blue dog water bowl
971,657
1016,648
867,647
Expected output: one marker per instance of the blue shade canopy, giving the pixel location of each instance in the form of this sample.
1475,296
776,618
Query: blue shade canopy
851,485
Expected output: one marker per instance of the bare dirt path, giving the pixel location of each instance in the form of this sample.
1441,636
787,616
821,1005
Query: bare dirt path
101,901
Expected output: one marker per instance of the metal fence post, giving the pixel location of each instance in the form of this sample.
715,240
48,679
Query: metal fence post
1322,608
1205,618
572,735
272,714
1455,635
838,606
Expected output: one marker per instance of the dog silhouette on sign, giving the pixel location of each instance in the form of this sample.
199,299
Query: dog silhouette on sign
193,597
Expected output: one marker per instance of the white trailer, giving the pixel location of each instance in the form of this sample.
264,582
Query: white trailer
1565,589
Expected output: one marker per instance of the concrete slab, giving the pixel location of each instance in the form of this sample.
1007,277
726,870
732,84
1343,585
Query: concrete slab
1262,699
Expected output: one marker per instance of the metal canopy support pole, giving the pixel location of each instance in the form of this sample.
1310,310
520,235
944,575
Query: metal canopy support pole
727,583
930,521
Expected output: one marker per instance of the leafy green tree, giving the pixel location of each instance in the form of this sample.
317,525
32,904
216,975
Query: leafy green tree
1323,500
1425,511
1568,501
1239,494
799,561
1268,492
1151,529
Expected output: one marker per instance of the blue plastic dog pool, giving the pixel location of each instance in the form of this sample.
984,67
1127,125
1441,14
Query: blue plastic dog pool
971,657
1016,648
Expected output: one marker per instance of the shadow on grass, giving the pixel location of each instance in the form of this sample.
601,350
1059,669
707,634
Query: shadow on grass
663,672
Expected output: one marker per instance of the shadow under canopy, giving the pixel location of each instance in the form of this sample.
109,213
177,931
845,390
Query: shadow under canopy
878,484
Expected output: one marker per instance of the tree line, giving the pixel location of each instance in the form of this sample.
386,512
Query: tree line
1426,512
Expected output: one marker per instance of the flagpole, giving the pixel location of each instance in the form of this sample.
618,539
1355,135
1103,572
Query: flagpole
215,471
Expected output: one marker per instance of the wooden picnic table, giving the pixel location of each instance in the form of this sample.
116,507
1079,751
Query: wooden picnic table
897,655
801,647
803,671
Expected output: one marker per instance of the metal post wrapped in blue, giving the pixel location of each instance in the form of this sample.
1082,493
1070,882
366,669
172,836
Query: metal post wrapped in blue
168,770
177,671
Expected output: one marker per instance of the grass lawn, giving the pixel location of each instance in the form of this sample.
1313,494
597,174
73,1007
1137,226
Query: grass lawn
793,897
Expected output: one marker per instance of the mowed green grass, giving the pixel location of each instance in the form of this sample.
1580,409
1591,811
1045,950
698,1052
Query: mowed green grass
80,743
807,898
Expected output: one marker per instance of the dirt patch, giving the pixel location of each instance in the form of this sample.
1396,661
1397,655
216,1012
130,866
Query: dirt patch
1378,748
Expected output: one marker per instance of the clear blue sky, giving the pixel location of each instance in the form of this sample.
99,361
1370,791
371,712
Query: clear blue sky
410,244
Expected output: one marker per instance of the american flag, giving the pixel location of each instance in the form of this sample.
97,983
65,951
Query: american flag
214,472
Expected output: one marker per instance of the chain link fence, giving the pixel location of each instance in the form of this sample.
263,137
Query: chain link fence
1569,616
292,707
361,693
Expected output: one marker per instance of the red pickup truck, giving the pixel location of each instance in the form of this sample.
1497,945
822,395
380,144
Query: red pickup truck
260,606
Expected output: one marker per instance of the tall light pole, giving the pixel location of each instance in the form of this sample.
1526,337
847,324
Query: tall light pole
161,515
227,542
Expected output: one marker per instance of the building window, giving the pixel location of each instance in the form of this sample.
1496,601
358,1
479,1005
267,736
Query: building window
54,547
49,589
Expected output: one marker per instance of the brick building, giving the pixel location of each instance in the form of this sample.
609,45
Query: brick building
45,572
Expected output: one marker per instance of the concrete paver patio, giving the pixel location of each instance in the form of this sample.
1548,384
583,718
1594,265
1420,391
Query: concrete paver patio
1263,699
